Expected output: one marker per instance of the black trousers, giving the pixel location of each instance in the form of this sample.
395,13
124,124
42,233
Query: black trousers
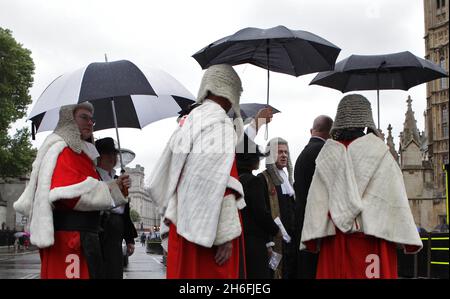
111,239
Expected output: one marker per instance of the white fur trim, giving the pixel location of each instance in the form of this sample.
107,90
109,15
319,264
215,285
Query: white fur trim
34,201
365,177
94,195
235,185
229,226
192,175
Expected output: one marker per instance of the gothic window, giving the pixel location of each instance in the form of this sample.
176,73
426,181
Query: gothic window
443,80
438,4
444,121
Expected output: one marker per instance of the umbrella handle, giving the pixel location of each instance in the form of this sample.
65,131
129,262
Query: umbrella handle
117,133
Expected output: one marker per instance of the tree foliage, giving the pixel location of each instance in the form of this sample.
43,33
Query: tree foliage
16,78
134,215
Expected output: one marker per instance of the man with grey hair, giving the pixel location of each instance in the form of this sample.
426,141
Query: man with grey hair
196,184
357,209
64,198
303,173
279,193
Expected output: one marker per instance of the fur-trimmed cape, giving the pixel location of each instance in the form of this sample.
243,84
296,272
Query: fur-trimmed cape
192,175
361,187
36,201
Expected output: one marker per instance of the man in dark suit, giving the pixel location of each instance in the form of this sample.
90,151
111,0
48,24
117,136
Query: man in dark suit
303,173
116,223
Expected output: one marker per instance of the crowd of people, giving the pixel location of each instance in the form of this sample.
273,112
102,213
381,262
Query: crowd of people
339,212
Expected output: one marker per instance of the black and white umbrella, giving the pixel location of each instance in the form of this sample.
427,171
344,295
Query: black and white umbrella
141,96
123,95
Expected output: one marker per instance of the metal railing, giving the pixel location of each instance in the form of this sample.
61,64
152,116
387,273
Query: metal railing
431,262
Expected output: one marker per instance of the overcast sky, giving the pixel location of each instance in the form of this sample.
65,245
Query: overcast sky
67,35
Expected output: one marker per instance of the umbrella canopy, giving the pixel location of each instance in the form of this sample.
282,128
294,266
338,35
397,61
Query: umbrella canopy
370,72
20,234
132,110
279,49
249,110
374,72
127,157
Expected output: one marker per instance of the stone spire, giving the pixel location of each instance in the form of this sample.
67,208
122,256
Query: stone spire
390,143
410,131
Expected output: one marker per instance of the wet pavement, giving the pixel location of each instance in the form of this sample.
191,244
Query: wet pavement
144,266
27,265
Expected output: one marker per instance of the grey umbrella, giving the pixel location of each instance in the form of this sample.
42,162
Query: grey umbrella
374,72
279,49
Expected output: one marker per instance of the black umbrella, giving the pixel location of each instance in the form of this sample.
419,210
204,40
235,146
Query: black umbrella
279,49
248,110
374,72
123,95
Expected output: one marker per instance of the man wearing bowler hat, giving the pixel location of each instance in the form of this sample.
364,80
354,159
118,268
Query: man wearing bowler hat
116,223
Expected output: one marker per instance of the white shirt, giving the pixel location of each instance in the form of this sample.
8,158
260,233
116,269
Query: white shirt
286,187
106,177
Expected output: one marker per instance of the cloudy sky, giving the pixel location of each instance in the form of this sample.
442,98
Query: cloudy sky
65,35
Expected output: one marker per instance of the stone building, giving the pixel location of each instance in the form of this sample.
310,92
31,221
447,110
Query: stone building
436,49
140,200
10,191
427,203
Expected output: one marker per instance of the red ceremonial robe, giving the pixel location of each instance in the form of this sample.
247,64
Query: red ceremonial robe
355,255
65,259
187,260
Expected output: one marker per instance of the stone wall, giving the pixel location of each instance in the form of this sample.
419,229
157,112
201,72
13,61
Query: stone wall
427,212
10,190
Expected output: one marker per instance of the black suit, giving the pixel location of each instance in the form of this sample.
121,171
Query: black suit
116,227
259,227
303,174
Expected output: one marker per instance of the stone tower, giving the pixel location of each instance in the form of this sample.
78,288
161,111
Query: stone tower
436,50
418,175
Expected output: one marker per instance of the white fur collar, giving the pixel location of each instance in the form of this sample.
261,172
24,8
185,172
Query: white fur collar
360,182
203,148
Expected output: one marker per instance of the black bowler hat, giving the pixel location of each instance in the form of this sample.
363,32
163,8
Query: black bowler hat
106,146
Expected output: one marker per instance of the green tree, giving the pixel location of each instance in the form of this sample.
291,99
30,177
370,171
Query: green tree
16,78
134,215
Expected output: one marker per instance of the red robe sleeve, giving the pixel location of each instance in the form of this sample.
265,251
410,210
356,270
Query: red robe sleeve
71,169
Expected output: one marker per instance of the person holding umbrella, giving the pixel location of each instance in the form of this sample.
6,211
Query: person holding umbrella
357,209
65,196
116,223
196,184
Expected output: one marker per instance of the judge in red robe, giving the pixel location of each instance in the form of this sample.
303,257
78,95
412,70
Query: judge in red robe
64,197
196,184
357,209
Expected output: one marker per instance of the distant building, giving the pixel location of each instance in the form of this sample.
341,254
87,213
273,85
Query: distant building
436,117
427,203
10,191
140,200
